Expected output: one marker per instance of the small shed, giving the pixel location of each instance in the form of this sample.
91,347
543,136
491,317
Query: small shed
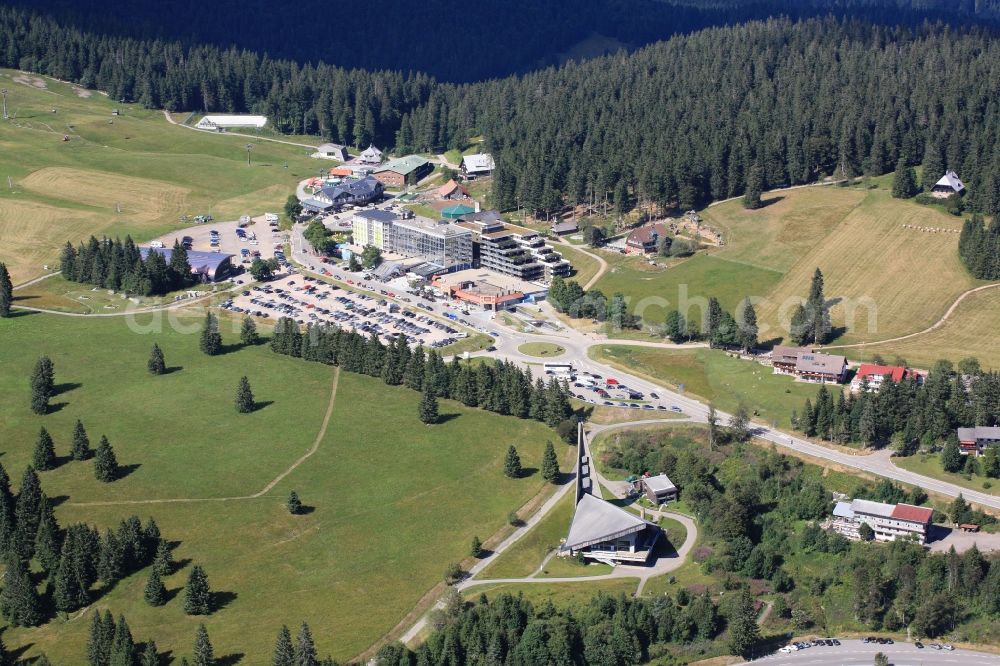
658,489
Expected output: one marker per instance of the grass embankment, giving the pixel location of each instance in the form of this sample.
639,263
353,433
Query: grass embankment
714,377
930,465
131,174
541,349
564,594
585,267
392,501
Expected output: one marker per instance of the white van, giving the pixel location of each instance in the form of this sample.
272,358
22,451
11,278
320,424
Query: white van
270,217
156,244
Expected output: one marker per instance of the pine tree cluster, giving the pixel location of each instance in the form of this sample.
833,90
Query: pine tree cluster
118,265
500,387
111,643
72,560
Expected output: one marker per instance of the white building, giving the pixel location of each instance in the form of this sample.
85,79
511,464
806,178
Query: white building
222,123
475,166
370,155
948,185
888,521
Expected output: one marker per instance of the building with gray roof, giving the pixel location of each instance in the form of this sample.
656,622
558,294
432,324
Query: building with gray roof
208,266
658,489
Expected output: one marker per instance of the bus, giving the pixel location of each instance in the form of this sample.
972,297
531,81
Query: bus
558,368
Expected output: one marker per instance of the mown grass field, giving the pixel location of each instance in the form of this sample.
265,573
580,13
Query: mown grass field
887,280
971,330
584,266
883,279
714,377
686,285
392,501
154,172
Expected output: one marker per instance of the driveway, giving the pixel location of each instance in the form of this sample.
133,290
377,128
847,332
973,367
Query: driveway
855,653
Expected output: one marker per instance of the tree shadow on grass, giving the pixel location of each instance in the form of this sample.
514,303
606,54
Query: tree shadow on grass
126,470
65,387
172,369
15,654
305,510
57,500
14,314
229,659
222,599
170,595
261,404
444,418
764,203
527,472
56,407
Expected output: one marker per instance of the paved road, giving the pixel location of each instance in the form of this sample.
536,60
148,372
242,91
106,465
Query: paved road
856,653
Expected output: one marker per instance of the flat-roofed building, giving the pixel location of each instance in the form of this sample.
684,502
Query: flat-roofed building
438,242
975,441
369,227
887,521
512,250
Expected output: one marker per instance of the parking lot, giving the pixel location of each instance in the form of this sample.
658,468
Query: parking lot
608,391
247,238
307,300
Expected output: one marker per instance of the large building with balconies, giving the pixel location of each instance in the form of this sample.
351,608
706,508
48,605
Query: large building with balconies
887,521
511,250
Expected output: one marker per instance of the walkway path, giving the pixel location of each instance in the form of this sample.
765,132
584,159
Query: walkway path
938,324
260,493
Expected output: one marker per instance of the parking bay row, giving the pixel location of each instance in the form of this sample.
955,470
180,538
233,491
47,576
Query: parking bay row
306,300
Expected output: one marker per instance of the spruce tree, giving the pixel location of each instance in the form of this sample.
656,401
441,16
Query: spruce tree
150,657
248,332
19,602
95,649
211,339
744,633
48,539
42,385
904,182
81,443
26,513
44,457
512,463
294,504
284,651
6,291
428,410
244,397
203,654
755,186
155,593
675,327
476,548
105,462
122,646
156,364
197,595
163,562
952,459
550,463
305,650
746,325
68,593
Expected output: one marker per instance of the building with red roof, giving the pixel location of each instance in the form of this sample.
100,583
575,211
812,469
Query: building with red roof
876,374
887,521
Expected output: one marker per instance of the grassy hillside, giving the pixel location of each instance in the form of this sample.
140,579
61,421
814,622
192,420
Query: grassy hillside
137,163
393,501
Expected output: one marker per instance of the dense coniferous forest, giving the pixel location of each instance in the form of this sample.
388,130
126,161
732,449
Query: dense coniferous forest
461,41
677,123
979,247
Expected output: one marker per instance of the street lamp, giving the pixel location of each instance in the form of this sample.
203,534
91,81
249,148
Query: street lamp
4,93
249,149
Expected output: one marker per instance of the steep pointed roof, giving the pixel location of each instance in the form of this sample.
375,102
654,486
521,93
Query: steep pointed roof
950,179
596,520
